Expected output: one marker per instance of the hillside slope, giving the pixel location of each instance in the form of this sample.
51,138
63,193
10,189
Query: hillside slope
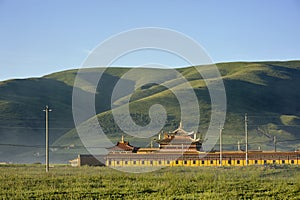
267,91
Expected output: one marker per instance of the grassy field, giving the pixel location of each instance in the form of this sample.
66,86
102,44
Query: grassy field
64,182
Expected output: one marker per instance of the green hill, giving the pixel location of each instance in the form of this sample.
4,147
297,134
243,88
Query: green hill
267,91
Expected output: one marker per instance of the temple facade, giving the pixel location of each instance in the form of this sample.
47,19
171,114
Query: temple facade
179,140
182,148
173,148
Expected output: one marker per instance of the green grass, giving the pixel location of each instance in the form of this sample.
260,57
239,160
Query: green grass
64,182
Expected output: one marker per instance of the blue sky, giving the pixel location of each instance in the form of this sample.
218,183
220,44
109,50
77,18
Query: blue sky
41,37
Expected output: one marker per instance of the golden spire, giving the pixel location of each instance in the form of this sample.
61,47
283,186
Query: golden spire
122,140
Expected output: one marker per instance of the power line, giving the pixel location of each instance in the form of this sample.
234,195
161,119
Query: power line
23,145
263,116
25,127
77,146
275,125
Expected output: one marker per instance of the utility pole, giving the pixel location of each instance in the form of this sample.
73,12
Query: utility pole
246,137
159,140
47,110
274,143
221,128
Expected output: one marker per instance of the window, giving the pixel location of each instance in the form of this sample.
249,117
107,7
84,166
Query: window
176,162
143,162
118,162
283,161
292,161
255,162
274,161
265,161
151,162
134,162
126,162
202,162
211,162
194,162
109,162
185,162
159,162
229,162
238,162
168,162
